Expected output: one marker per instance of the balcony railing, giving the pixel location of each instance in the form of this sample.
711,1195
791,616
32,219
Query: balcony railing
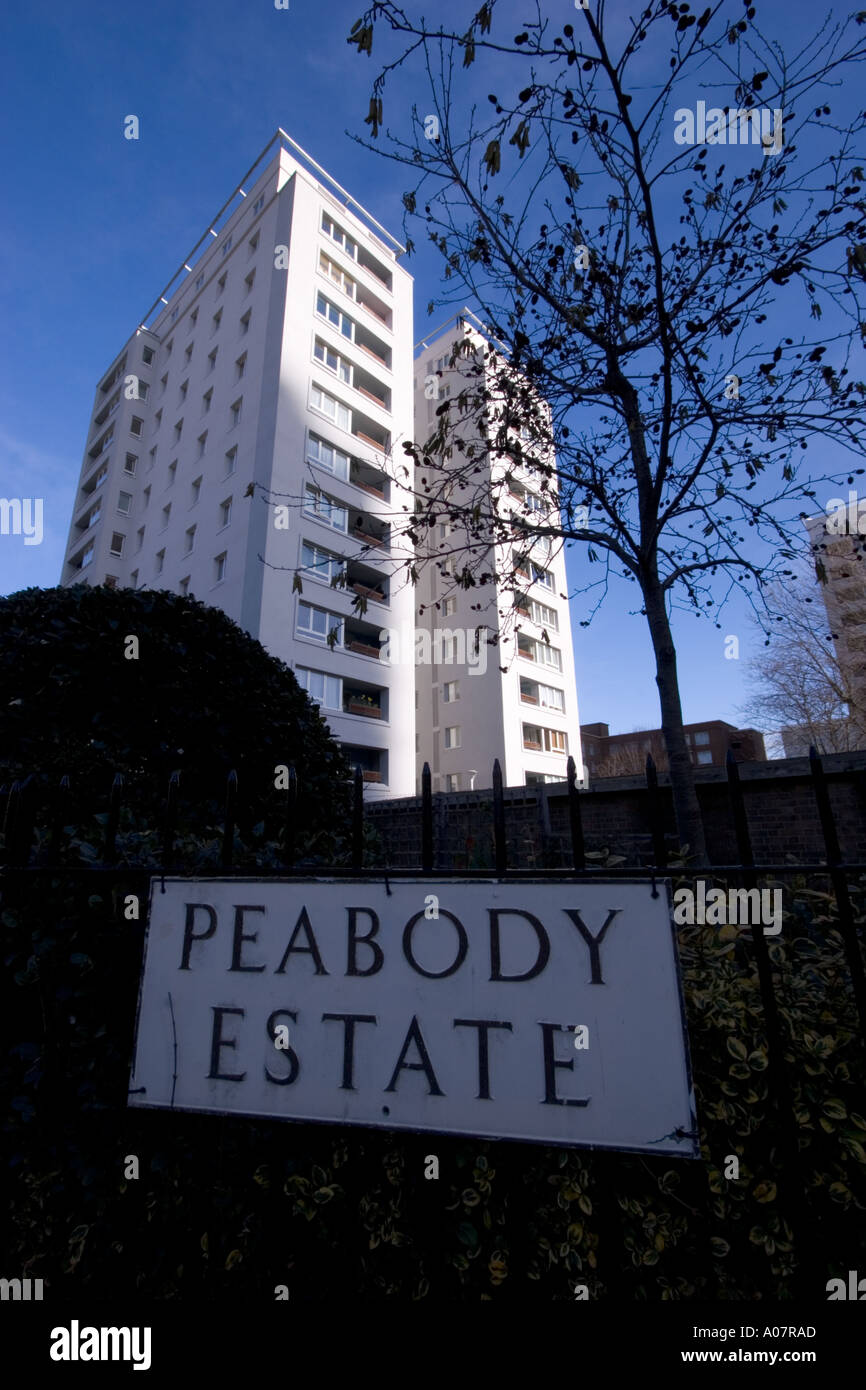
362,648
364,536
361,707
365,591
376,443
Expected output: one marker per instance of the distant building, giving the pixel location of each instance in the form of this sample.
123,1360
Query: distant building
515,700
838,546
623,755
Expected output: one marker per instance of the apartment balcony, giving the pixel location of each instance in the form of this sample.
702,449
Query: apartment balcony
375,307
370,479
366,582
367,702
373,762
87,520
374,390
372,346
369,530
369,431
375,268
101,444
362,638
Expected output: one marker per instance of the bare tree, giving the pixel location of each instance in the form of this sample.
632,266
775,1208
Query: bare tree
800,684
664,298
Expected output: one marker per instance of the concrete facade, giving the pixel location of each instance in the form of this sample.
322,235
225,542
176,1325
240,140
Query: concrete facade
278,359
515,700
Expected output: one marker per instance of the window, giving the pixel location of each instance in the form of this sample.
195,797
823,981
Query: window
541,576
151,459
324,508
139,539
212,357
145,498
551,698
168,347
235,412
147,356
449,607
157,421
129,464
704,756
231,460
241,365
322,690
451,691
342,238
188,350
87,557
328,405
172,472
174,313
178,431
143,390
220,568
548,656
316,622
166,516
329,311
702,738
202,444
100,477
245,322
190,540
124,503
336,275
449,566
258,204
333,361
133,580
135,425
160,561
184,585
117,543
199,281
226,247
253,243
221,282
184,387
555,741
216,321
225,512
206,401
452,736
163,382
94,516
452,781
321,564
249,280
195,491
327,456
545,616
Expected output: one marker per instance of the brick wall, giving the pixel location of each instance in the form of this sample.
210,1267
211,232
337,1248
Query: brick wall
778,796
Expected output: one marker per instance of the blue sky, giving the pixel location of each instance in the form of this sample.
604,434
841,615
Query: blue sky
93,225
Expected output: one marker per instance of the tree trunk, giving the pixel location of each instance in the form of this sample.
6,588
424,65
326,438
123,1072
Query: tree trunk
690,826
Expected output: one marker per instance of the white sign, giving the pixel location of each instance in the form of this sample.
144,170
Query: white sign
526,1010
